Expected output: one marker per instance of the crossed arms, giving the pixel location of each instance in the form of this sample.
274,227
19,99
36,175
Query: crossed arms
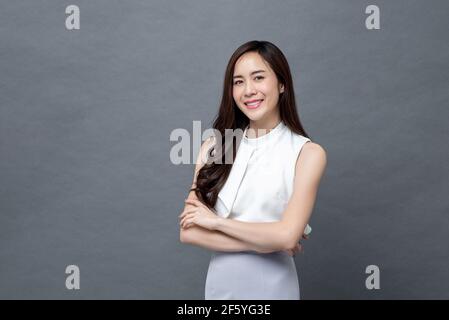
232,235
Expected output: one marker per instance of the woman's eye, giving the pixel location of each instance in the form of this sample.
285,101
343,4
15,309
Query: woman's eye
257,78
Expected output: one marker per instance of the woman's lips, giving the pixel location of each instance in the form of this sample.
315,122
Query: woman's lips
254,105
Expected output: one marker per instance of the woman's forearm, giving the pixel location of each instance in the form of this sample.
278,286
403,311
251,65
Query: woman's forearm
218,241
269,235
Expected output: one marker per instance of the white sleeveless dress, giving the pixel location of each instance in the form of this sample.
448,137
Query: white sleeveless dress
258,189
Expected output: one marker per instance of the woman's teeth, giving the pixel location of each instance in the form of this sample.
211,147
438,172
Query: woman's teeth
254,104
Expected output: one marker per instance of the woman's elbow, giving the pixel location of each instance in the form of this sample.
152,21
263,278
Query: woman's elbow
184,235
289,240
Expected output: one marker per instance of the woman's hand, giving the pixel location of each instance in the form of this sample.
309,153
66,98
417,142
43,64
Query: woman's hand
298,248
200,215
292,252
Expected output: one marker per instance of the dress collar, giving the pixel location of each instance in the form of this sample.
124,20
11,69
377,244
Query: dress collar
266,138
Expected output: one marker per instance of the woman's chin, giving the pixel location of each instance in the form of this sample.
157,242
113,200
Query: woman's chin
255,117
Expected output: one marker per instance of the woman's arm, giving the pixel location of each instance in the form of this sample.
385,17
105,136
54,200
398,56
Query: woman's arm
210,239
287,232
215,240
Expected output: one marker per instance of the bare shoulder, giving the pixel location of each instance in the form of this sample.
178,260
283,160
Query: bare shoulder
204,150
313,150
312,157
202,157
208,143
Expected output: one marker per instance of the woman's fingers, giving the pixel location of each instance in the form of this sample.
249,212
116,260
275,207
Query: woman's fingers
187,211
297,248
186,218
187,223
295,251
292,252
183,220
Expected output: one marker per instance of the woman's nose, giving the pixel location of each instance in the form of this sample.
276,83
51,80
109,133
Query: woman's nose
249,89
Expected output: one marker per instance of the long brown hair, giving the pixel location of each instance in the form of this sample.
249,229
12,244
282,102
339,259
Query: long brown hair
212,176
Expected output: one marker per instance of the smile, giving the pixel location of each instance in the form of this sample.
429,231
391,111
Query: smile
253,104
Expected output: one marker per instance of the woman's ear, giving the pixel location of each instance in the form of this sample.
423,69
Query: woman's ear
281,90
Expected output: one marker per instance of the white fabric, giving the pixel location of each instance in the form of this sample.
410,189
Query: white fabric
258,189
260,183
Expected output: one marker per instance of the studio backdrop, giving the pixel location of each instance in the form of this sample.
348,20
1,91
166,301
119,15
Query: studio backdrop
91,92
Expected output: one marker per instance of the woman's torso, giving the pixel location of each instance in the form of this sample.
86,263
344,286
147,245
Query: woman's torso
257,190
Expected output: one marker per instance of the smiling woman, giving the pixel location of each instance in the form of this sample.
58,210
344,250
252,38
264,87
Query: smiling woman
252,213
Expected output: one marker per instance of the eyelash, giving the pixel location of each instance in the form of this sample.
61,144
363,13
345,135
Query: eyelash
254,78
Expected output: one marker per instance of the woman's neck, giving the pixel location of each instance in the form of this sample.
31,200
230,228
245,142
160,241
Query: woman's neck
261,127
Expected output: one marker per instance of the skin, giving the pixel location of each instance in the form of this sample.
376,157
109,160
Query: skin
216,233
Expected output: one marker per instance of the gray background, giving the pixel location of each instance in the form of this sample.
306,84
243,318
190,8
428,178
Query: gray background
85,120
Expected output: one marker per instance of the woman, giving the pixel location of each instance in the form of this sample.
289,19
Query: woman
252,213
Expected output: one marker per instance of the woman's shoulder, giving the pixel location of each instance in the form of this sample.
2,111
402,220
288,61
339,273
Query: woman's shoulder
204,152
314,149
209,142
312,156
307,147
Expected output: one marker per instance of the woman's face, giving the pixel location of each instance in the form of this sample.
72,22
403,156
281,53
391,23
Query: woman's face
255,80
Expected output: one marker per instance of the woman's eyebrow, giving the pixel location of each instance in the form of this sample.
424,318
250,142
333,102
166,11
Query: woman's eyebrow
257,71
